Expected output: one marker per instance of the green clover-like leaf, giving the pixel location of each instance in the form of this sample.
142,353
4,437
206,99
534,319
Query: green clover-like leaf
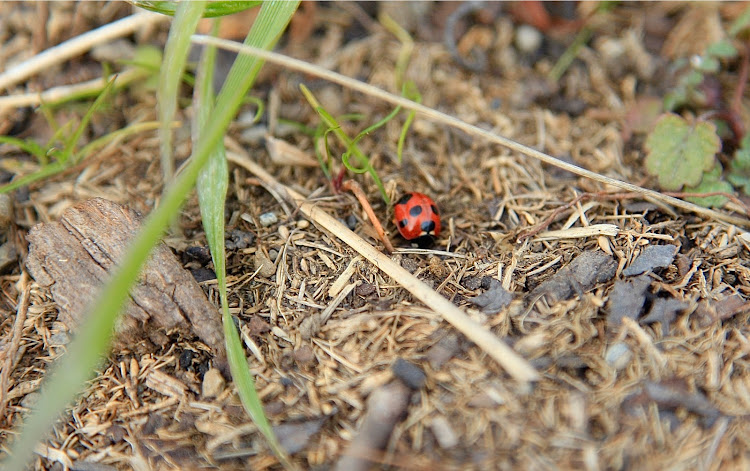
739,167
711,182
723,48
679,153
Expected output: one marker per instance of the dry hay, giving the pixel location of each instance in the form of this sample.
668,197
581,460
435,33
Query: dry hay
674,398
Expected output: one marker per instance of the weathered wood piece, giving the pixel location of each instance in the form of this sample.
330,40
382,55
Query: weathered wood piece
76,255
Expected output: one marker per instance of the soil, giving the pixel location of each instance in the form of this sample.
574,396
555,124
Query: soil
641,351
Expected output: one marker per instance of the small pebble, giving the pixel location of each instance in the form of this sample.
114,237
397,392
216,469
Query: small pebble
528,39
303,224
618,355
265,265
58,339
213,383
253,134
286,382
203,274
268,219
304,355
444,433
365,289
283,232
351,222
445,349
200,254
239,240
186,359
409,373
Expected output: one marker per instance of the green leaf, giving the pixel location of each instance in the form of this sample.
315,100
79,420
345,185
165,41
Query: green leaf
740,23
739,167
711,183
724,49
175,56
679,153
213,9
707,64
675,99
72,141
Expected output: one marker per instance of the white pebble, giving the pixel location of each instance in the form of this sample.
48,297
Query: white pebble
267,219
528,39
618,355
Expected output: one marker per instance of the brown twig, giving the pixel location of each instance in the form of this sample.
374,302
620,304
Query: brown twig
544,224
620,196
351,185
437,116
10,352
513,363
735,107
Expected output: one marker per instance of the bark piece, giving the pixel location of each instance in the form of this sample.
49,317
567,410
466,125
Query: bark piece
652,257
385,407
494,299
76,255
579,276
627,299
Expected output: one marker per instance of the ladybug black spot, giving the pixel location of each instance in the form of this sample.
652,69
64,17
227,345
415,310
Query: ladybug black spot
415,211
434,209
404,199
428,226
403,223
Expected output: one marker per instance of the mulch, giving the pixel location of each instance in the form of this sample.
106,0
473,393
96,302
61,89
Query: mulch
640,368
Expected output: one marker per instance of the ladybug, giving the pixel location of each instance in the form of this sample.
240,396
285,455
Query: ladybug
417,217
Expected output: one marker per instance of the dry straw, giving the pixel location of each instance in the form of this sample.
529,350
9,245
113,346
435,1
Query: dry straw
434,115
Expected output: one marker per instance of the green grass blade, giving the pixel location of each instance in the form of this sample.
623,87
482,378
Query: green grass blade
72,140
54,168
214,9
175,56
272,17
97,144
28,146
351,146
213,179
45,172
411,92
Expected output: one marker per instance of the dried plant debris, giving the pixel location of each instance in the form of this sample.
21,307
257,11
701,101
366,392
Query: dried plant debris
76,255
385,407
627,299
672,394
494,299
710,310
651,258
8,252
294,437
664,311
579,276
465,415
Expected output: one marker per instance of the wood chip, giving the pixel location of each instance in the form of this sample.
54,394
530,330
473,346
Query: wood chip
76,255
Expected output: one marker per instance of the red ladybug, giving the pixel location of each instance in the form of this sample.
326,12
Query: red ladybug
416,216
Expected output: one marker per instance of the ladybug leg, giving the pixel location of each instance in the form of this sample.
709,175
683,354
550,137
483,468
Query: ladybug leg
354,187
